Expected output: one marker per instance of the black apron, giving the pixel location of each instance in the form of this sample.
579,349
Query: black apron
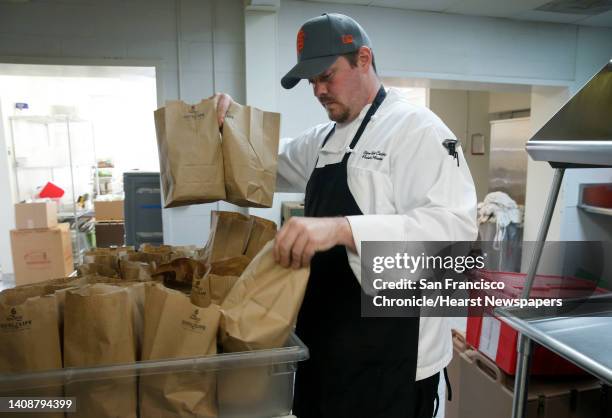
358,367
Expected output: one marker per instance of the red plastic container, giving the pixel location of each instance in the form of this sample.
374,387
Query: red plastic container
498,341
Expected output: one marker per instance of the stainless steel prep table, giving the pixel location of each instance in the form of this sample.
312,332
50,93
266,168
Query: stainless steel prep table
584,338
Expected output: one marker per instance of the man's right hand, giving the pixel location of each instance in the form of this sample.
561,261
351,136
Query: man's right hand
223,103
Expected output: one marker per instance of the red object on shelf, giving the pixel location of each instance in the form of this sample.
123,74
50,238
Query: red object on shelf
497,340
51,191
599,195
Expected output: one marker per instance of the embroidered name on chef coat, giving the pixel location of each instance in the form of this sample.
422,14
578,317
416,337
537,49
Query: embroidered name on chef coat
373,155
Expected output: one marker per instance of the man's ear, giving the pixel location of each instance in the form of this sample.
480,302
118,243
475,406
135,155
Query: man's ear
364,58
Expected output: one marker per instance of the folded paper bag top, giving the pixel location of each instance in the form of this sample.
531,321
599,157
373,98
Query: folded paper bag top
261,308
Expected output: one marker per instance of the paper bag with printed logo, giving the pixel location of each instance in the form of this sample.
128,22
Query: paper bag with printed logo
250,152
29,335
175,328
263,230
98,330
261,309
29,342
190,158
229,236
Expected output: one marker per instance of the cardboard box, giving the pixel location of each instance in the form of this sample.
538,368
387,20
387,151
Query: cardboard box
36,215
41,254
110,234
482,390
111,210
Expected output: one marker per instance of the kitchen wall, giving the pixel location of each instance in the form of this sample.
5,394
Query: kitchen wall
500,102
197,47
466,113
436,46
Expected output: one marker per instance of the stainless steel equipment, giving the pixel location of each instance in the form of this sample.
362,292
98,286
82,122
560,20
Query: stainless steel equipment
578,136
508,159
584,338
580,133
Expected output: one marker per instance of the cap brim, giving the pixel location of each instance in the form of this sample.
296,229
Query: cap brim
307,69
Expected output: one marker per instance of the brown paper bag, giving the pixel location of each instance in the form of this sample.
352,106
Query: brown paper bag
229,235
29,335
219,280
135,271
175,328
263,231
184,251
98,269
190,158
261,309
18,295
201,292
102,258
220,287
233,266
136,291
153,259
242,389
96,333
180,273
153,249
30,342
250,152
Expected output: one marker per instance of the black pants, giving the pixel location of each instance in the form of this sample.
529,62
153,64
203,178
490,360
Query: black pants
426,396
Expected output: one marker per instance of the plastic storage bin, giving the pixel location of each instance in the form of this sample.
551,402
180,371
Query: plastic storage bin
253,384
143,213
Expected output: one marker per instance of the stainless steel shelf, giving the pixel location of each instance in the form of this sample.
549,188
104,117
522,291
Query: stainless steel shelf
583,338
596,209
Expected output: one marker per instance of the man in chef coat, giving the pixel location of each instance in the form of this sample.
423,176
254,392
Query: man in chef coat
378,171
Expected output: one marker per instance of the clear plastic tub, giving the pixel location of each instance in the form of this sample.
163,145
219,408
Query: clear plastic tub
249,384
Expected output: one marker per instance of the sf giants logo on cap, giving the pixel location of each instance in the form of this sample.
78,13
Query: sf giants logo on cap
300,41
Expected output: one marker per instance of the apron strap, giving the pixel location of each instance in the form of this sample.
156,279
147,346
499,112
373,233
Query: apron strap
449,389
380,96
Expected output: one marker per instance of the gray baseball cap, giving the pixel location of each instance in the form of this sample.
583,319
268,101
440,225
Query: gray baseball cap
320,41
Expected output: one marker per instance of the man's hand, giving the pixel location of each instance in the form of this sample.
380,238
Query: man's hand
223,103
299,239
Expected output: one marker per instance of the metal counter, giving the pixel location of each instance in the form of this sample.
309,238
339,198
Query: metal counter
584,338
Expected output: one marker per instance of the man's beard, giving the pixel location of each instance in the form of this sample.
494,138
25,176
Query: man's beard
341,117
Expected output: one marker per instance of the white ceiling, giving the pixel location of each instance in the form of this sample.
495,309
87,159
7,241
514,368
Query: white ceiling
511,9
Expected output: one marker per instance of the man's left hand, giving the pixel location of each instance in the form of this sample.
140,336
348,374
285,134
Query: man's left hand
300,237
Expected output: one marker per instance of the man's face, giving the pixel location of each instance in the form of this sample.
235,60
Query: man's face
338,90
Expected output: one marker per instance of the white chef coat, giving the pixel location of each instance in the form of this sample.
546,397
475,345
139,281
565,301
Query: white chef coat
406,185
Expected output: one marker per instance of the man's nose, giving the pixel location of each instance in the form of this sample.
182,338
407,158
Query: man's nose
319,88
